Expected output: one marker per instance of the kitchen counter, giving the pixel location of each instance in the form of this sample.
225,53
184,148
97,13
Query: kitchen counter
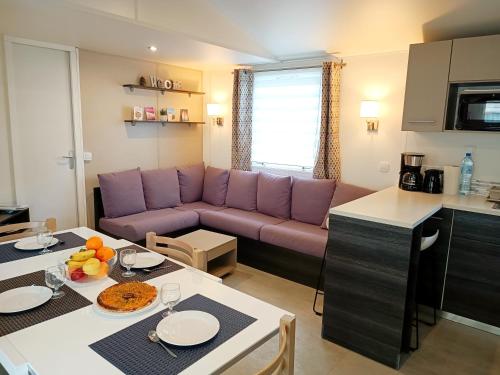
407,209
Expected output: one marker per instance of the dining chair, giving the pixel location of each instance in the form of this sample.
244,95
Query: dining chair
178,250
283,363
20,230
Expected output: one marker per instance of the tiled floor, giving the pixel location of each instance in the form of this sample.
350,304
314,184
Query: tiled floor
447,348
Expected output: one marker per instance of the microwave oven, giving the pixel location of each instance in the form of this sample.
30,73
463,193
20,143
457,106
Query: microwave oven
475,107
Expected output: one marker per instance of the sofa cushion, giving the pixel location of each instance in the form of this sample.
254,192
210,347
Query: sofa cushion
134,227
191,182
240,222
161,188
273,195
122,193
242,190
199,206
302,237
345,193
215,186
311,199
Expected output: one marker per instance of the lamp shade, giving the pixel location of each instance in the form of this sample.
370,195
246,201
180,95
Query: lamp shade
214,109
369,109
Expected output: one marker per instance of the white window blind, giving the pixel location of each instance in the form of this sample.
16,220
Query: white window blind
286,118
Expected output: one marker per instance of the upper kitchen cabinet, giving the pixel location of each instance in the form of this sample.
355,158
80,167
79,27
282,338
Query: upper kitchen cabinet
426,86
476,59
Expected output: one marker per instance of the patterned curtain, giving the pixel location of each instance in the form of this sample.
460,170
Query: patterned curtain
241,150
328,160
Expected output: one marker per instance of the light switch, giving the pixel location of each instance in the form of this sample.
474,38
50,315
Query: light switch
384,167
87,156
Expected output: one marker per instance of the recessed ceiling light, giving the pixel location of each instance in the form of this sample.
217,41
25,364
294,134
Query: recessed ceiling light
153,48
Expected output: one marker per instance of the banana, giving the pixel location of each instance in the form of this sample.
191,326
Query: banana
74,263
82,256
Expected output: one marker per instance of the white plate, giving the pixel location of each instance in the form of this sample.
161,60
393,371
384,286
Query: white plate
30,243
24,298
187,328
124,314
148,260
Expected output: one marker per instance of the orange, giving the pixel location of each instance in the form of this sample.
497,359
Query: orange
94,243
105,253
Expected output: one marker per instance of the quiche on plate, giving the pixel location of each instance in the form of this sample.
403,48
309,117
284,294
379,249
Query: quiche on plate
127,297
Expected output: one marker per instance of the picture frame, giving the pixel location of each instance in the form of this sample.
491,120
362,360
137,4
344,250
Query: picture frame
138,113
171,114
184,115
150,113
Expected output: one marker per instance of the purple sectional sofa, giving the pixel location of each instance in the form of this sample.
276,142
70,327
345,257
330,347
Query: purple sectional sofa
279,221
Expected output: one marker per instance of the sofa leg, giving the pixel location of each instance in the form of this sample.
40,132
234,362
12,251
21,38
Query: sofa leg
318,285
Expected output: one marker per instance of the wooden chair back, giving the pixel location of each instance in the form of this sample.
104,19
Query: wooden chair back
20,230
178,250
283,363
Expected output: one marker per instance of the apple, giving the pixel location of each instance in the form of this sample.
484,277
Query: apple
77,274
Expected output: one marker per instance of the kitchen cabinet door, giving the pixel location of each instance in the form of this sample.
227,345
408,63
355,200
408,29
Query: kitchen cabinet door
427,86
472,286
475,59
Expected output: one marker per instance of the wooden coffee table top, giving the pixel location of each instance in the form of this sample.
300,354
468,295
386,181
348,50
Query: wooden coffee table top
205,239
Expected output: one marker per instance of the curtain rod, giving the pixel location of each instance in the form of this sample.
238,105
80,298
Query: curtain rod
341,64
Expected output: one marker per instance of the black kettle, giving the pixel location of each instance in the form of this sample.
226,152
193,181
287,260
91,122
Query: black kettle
433,181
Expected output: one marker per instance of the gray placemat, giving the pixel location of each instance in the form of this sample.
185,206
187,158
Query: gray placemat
140,275
132,353
52,309
68,240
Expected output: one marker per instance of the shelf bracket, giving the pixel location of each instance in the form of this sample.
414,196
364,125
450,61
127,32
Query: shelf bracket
163,123
131,89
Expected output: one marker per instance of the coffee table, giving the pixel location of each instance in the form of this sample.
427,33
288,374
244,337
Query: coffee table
221,250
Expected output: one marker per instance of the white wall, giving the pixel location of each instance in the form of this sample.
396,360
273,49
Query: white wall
382,77
218,86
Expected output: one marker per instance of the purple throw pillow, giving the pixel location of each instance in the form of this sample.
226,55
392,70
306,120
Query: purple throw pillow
122,193
242,190
191,182
311,199
161,188
215,186
273,195
345,193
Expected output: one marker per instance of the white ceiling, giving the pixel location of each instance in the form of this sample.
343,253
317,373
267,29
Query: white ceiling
210,33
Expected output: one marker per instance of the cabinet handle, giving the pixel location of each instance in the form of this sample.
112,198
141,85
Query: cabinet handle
437,218
422,122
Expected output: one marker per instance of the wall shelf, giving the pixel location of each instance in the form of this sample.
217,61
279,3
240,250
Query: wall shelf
163,123
132,87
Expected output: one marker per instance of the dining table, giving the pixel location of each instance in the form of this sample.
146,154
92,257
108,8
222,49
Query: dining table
81,340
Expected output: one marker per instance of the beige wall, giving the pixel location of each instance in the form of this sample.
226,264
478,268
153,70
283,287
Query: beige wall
7,196
105,104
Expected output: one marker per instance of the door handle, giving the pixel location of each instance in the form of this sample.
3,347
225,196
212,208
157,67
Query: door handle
71,158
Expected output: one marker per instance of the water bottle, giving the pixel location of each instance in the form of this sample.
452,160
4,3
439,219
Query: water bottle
466,174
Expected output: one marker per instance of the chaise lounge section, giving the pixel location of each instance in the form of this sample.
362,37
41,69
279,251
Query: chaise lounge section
280,221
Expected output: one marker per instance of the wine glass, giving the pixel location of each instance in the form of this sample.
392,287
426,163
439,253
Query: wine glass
170,296
44,238
127,260
55,277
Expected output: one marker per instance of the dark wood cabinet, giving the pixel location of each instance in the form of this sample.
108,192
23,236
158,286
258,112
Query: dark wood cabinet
472,287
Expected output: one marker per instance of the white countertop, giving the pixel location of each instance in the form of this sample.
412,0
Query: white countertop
408,209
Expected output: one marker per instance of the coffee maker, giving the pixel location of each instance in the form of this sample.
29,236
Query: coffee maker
410,177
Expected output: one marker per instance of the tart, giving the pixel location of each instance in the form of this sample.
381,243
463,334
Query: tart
127,297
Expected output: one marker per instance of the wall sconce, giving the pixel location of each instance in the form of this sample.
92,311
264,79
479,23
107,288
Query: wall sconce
215,111
370,110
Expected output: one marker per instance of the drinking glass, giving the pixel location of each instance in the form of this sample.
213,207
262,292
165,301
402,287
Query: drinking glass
55,277
127,260
170,296
44,238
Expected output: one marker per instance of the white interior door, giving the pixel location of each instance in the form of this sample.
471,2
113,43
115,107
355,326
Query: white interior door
46,156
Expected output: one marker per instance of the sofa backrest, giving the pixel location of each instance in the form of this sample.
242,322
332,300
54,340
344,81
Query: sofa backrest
274,194
215,186
161,188
122,193
311,199
191,182
242,190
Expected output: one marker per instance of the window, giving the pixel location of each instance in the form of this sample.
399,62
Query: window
286,118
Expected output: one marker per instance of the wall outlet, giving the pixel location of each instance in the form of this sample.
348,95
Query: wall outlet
384,167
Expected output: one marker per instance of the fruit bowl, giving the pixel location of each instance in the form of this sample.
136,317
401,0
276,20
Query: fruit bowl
89,265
